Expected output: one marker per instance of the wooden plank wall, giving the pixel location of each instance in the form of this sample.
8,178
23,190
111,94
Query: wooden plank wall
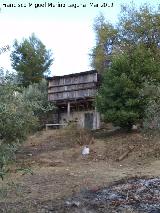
72,87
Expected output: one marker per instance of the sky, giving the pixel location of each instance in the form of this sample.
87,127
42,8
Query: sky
65,27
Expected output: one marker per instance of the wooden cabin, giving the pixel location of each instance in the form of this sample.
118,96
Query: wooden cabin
74,96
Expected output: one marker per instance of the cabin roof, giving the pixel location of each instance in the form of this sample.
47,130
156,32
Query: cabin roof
73,75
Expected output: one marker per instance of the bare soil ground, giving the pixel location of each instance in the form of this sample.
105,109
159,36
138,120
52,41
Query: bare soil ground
49,168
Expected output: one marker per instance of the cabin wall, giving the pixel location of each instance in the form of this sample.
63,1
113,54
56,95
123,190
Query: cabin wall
80,79
72,87
69,95
80,117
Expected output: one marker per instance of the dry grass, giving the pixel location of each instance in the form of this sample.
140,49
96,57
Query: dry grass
59,170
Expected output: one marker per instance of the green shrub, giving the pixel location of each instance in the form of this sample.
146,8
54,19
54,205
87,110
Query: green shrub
16,118
22,111
36,98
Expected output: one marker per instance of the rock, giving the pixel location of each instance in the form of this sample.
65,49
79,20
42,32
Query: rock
134,127
73,203
85,150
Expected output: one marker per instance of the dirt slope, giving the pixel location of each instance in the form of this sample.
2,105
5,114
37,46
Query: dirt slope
53,168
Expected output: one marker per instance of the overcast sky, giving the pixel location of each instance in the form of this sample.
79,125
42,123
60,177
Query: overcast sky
67,31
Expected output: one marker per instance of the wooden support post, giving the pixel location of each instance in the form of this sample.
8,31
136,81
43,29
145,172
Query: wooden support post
68,110
95,123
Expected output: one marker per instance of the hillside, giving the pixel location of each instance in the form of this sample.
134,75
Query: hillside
50,169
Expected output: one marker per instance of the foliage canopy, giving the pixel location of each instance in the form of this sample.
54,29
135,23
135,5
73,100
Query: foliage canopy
31,60
136,26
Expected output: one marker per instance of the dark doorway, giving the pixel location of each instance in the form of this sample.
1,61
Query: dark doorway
88,121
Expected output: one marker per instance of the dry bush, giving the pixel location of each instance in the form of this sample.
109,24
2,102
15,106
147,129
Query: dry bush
78,135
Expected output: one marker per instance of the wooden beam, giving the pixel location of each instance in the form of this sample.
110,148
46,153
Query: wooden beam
78,83
72,90
68,109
